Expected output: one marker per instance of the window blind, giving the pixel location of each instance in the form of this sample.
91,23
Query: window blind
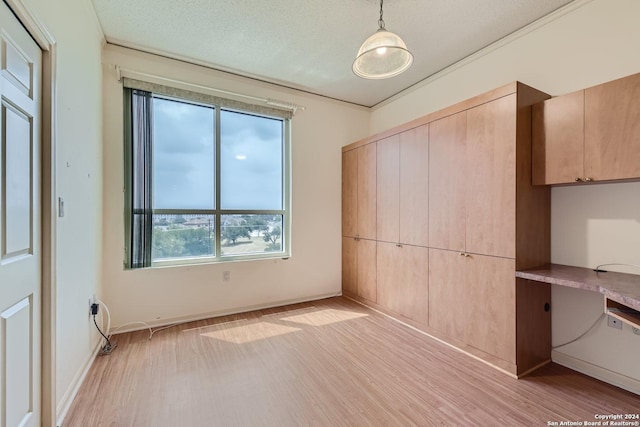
204,98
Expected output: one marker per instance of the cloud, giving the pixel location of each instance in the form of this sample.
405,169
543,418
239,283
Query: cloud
254,182
184,158
183,155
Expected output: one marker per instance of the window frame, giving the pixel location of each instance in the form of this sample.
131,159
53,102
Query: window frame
196,98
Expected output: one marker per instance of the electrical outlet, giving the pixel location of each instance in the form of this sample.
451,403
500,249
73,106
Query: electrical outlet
614,323
226,276
636,331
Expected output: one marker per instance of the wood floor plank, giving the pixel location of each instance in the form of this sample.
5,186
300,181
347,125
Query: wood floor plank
326,363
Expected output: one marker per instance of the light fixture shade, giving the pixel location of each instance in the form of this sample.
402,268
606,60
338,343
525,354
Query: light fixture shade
382,55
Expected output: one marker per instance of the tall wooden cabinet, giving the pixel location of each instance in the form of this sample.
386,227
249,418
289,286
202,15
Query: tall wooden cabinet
479,218
359,222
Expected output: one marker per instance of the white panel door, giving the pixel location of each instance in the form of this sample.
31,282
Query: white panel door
20,247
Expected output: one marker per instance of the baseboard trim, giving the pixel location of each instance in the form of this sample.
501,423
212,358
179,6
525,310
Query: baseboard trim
219,313
595,371
74,387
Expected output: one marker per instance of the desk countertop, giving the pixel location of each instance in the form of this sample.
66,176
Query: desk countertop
620,287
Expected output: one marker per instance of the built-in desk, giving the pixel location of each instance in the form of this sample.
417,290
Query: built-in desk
621,291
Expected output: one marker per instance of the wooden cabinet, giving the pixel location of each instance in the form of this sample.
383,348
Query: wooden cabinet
350,193
491,178
472,299
491,305
612,130
359,274
447,182
456,215
388,183
588,135
414,186
448,299
403,187
558,139
472,180
359,222
350,265
359,192
477,301
403,280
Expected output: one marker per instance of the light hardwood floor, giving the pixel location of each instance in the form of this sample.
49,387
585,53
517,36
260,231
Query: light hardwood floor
327,363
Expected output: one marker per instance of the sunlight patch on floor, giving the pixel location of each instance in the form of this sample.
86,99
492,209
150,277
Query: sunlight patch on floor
324,317
250,333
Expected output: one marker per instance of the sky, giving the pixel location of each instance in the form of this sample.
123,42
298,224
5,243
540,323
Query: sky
183,158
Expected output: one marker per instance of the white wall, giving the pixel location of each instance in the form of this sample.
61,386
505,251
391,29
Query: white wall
587,43
160,295
78,181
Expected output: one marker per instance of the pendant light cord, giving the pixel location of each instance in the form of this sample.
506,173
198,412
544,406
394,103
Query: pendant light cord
381,21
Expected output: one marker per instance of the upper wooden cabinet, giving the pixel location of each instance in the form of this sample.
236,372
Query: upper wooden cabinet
388,183
403,187
589,135
472,180
612,130
491,179
558,139
359,192
350,193
447,182
414,186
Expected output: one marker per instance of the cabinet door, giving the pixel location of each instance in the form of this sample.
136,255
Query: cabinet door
491,182
447,182
388,183
448,297
558,139
366,274
350,265
403,280
349,193
414,186
612,129
366,210
491,305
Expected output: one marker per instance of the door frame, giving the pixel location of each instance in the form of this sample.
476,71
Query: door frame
44,38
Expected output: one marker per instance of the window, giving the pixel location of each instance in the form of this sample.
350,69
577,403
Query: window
204,182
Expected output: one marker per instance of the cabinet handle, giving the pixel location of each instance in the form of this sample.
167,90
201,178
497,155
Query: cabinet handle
398,245
578,179
588,179
461,254
464,254
467,255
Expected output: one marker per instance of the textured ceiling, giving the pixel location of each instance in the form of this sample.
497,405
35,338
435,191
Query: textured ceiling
310,44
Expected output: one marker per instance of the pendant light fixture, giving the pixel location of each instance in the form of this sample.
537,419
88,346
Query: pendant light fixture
382,55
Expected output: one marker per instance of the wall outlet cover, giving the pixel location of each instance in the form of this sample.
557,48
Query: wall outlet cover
614,323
